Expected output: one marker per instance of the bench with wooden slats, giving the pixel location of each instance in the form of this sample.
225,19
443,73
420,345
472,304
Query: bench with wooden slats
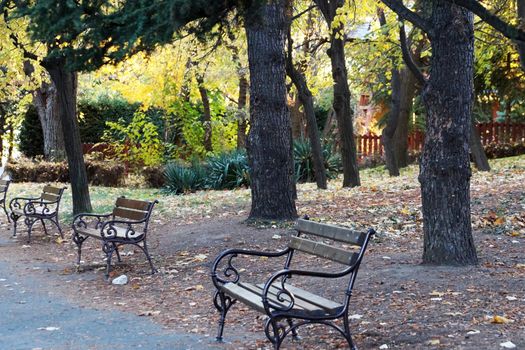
283,301
126,224
34,209
4,186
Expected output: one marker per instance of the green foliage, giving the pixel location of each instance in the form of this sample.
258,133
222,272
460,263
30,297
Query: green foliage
94,112
181,178
303,160
228,171
31,138
137,142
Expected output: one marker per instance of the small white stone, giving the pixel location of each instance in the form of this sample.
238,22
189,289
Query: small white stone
511,298
120,280
384,346
355,317
474,331
387,258
276,237
508,345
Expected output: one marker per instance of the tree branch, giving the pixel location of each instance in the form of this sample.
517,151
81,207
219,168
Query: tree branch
402,11
510,31
407,56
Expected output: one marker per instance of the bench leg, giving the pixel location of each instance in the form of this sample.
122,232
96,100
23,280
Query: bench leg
223,303
145,250
29,222
78,239
116,251
108,248
44,224
275,332
347,333
54,220
15,221
294,330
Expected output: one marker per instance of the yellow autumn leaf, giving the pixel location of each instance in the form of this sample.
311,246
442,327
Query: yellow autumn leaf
499,221
435,293
500,320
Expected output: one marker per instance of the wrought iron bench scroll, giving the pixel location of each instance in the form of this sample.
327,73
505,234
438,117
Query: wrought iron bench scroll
36,209
127,224
289,307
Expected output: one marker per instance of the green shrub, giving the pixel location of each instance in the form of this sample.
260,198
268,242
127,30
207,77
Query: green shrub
304,165
228,171
181,178
31,138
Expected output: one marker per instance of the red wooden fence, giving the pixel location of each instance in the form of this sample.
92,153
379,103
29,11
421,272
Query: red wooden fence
370,144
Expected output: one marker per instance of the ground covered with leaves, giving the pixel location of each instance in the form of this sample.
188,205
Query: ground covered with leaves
397,302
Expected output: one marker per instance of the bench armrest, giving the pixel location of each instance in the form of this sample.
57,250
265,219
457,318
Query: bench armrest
80,220
230,273
19,202
110,228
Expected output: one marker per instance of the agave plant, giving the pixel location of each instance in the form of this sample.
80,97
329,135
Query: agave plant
304,165
183,179
228,171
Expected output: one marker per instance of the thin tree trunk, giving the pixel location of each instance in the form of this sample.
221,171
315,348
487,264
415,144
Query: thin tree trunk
242,118
270,140
296,116
445,167
476,148
305,96
66,84
342,97
46,103
10,141
406,99
206,115
521,17
387,135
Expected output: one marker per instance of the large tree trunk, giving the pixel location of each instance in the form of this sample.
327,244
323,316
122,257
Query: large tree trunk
445,167
305,96
476,149
66,84
406,99
270,140
242,118
342,97
206,113
46,103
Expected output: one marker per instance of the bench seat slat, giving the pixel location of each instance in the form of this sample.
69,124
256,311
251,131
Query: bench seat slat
4,182
304,301
95,233
132,204
323,250
50,197
337,233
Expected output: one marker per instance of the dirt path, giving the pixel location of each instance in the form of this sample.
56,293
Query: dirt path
397,302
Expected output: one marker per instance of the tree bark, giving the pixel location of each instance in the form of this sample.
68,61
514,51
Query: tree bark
46,103
66,85
206,114
270,140
445,168
305,96
242,118
520,44
342,97
387,135
476,149
406,99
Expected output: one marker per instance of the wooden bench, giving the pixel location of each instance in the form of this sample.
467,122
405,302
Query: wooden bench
289,307
35,209
4,186
127,224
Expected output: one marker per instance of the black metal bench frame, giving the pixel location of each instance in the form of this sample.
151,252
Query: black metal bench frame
4,186
35,209
127,224
286,306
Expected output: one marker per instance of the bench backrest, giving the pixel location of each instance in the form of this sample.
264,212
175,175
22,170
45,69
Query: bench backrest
131,209
329,232
52,193
4,185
